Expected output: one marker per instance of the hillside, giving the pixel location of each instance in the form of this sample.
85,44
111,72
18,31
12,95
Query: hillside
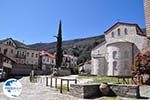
77,47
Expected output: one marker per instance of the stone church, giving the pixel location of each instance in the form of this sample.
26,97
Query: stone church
123,41
115,56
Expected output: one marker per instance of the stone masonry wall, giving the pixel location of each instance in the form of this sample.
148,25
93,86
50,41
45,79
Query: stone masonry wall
92,90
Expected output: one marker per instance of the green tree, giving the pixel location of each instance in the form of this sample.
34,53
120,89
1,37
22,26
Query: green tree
59,51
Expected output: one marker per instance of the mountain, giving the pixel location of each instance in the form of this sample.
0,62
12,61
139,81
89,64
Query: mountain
77,47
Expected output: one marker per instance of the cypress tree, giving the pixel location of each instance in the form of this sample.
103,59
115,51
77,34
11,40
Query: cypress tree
59,51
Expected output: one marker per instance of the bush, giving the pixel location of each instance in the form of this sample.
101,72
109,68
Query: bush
75,70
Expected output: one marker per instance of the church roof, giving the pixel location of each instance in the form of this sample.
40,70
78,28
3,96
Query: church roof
129,24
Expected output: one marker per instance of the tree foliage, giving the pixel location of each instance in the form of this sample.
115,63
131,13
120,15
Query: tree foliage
59,51
142,63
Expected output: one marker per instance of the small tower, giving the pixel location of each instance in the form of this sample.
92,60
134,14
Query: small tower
147,21
147,16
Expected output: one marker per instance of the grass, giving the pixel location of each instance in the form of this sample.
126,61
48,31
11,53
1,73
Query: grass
107,98
110,98
100,79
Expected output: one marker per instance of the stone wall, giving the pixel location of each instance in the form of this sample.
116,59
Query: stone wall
85,90
92,90
20,69
122,90
63,72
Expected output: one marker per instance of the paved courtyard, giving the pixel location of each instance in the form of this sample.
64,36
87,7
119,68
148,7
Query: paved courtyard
36,91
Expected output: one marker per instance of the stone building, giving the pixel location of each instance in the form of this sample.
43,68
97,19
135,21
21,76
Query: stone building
25,57
69,61
47,60
114,56
6,64
19,52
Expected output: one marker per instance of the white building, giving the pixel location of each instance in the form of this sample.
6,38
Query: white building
47,60
69,61
115,56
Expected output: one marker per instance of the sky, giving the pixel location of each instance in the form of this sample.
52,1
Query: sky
36,21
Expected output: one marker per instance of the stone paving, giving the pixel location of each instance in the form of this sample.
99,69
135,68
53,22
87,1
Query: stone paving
36,91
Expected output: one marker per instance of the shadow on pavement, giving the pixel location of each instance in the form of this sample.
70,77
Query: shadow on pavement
146,98
15,77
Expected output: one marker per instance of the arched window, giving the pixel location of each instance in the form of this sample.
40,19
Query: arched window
9,42
115,65
118,32
126,31
112,34
114,54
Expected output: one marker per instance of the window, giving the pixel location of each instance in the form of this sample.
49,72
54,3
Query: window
17,52
23,53
126,31
47,59
36,55
115,65
112,34
11,51
9,42
27,53
52,61
32,55
5,51
114,54
119,32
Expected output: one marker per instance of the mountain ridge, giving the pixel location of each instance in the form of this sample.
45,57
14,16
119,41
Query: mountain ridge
80,48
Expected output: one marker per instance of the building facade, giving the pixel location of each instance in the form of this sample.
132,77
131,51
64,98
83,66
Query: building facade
47,60
115,56
19,52
69,61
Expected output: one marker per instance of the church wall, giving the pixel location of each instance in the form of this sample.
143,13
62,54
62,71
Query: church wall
119,58
98,60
